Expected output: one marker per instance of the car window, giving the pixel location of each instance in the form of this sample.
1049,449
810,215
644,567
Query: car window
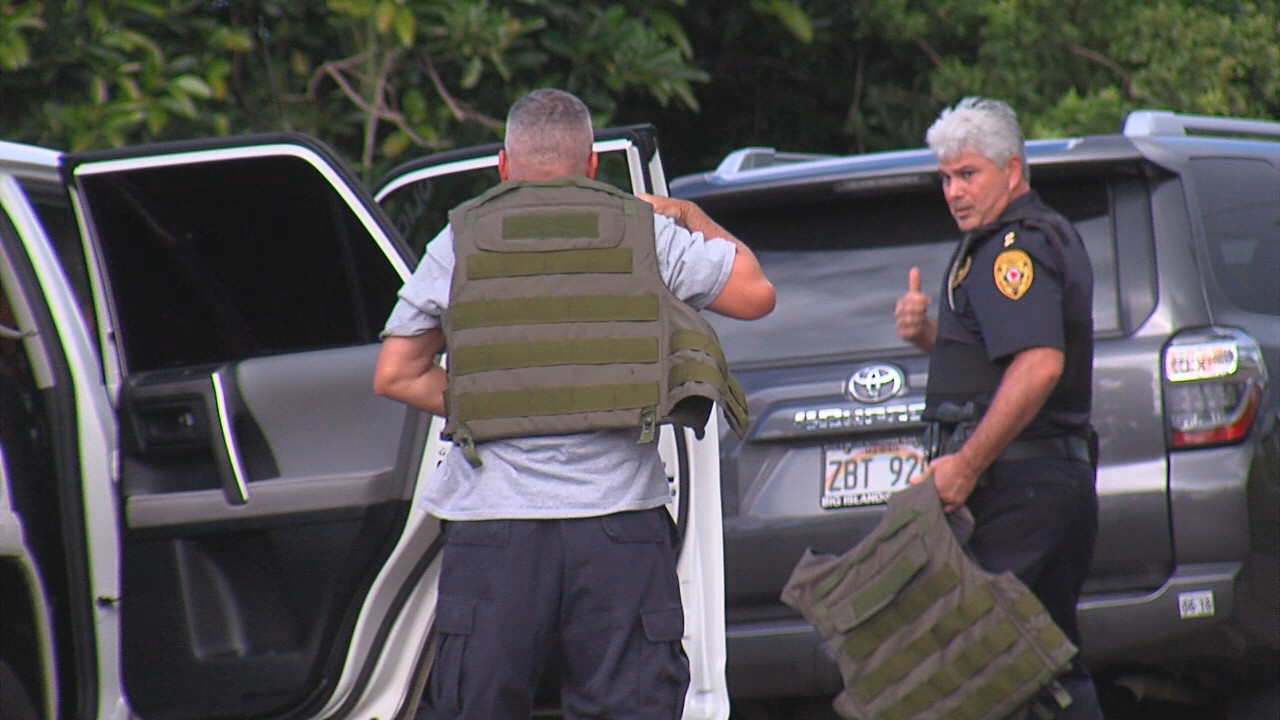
420,209
1240,210
53,207
241,258
840,264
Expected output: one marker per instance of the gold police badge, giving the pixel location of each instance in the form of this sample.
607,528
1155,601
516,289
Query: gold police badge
1013,273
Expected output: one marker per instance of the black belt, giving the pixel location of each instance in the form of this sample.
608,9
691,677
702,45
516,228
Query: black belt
1067,447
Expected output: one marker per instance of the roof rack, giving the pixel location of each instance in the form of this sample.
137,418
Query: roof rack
1143,123
749,158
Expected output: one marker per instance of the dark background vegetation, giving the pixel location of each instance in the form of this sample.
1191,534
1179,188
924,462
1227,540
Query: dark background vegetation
386,80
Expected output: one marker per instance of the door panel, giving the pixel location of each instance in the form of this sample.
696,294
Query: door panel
263,484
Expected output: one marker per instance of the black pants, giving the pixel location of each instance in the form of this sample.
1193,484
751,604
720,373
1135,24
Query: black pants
603,590
1039,519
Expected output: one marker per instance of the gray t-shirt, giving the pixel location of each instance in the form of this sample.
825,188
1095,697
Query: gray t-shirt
559,476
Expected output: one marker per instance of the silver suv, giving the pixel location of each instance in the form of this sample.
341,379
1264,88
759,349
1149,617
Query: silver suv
1181,217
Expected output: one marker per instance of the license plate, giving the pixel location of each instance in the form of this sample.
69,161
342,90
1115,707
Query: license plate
868,472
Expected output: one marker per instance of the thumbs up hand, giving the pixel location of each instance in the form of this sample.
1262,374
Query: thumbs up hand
911,314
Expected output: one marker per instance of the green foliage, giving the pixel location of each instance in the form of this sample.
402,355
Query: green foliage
383,80
378,79
16,25
875,74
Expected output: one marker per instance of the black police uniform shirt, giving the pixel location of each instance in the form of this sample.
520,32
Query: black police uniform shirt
1022,282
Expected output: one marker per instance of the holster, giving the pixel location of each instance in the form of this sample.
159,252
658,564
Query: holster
950,426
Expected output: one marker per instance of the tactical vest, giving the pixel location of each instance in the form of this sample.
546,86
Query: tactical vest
919,630
559,321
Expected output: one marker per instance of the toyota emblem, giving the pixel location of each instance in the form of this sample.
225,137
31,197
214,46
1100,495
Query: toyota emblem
876,383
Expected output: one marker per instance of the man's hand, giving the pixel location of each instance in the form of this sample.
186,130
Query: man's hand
954,477
748,294
679,210
911,314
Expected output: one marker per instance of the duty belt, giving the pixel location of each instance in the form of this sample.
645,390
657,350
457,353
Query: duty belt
1067,447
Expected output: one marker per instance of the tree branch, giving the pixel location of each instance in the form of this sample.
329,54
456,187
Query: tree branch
928,50
1104,61
459,110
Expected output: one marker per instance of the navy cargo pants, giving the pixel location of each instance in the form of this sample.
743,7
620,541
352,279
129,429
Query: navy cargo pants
603,590
1038,518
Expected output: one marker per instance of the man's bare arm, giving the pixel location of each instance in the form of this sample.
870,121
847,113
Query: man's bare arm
407,371
748,294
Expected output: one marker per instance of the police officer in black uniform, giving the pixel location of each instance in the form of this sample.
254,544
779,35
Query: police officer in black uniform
1010,369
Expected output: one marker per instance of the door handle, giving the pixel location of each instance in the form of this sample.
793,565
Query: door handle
226,398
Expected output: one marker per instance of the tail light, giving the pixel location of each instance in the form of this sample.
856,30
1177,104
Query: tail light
1213,385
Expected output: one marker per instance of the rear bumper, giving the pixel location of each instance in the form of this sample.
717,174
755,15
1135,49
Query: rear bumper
785,657
1122,627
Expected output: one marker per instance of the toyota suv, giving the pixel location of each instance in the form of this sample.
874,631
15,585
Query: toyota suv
205,511
1181,218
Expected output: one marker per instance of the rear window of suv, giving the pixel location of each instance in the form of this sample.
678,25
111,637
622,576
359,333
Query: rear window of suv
840,263
1240,209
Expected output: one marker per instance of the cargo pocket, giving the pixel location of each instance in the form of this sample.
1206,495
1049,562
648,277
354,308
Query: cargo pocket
454,622
664,629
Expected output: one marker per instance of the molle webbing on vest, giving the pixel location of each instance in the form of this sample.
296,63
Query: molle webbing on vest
919,631
559,321
528,311
490,265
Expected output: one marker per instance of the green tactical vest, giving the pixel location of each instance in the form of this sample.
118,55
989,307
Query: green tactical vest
559,321
919,630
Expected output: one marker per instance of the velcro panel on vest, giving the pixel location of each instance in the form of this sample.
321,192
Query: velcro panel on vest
540,225
551,216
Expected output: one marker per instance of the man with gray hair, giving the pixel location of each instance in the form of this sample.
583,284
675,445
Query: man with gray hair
1010,369
566,306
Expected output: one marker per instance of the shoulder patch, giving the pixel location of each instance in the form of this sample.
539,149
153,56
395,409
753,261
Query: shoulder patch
1013,273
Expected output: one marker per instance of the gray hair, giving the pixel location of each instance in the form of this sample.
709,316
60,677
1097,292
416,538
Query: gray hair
549,127
982,125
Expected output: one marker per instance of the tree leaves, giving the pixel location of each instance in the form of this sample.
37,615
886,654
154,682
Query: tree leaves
383,79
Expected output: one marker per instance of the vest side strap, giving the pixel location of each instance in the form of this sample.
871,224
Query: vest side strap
531,311
549,353
485,265
695,371
554,401
684,339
